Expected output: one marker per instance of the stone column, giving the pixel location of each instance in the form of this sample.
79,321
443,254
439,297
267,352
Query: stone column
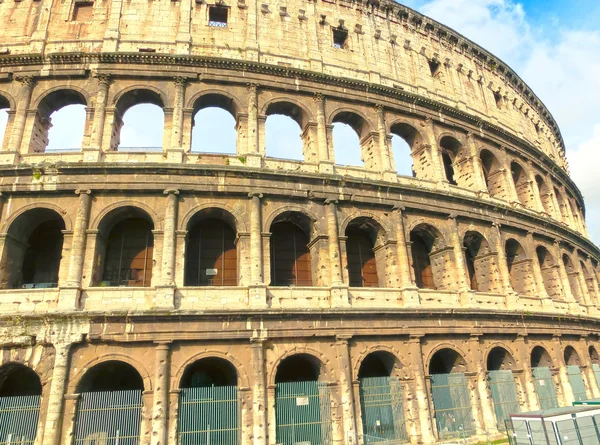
537,272
99,118
510,182
335,263
433,150
259,407
525,359
53,424
175,151
421,395
564,278
486,410
256,271
253,155
461,270
160,408
479,178
559,362
169,238
512,297
326,160
79,238
591,375
18,127
386,163
346,392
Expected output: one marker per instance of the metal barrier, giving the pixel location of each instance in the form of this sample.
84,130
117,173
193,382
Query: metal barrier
570,431
19,419
208,416
109,418
544,388
381,401
576,381
452,406
302,413
504,395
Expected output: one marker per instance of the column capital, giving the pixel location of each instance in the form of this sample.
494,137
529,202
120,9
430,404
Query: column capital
180,81
379,108
257,194
415,338
319,97
343,338
83,192
252,87
258,341
171,192
103,79
162,344
26,81
331,201
399,208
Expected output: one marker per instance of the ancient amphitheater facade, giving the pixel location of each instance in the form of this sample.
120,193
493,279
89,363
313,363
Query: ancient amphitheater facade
180,297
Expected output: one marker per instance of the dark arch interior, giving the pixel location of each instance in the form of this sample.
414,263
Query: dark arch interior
210,371
422,245
215,100
290,257
514,252
362,266
475,245
408,133
19,380
450,148
287,109
354,120
137,97
59,99
544,257
298,368
571,356
517,172
113,375
499,359
377,364
540,358
594,356
568,263
448,168
447,361
4,103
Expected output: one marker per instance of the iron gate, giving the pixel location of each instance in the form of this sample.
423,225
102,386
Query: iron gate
19,419
381,402
302,413
544,388
109,418
452,405
504,395
596,368
576,381
208,416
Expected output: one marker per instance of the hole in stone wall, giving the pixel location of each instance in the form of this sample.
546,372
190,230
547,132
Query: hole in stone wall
207,372
499,359
298,368
447,361
112,375
68,126
19,380
217,16
214,131
83,12
434,67
340,37
143,126
499,99
282,138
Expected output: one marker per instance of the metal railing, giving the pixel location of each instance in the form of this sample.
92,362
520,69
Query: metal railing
544,387
504,395
576,381
452,406
19,419
139,149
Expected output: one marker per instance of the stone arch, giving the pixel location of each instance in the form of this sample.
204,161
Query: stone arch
571,356
522,186
325,372
500,358
573,278
451,152
233,215
18,379
139,367
415,142
379,363
100,219
7,101
594,356
429,258
137,94
550,275
519,267
563,209
242,375
38,205
374,350
540,357
451,359
59,96
6,104
215,98
356,119
589,281
545,195
310,223
482,267
382,227
492,174
290,107
365,144
365,252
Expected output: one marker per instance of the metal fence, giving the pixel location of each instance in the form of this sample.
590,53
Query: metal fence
19,419
208,416
574,431
504,395
452,406
544,388
302,413
596,368
576,381
381,401
109,418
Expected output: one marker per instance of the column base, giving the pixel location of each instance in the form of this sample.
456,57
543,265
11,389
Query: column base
390,176
9,157
257,296
326,167
340,297
410,296
252,160
92,155
175,155
183,45
68,297
164,298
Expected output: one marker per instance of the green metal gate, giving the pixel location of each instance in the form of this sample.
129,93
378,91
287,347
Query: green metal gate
208,416
504,395
19,419
302,413
596,368
452,405
576,381
381,401
109,418
544,388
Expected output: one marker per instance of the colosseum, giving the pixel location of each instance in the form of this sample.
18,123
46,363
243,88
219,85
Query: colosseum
174,296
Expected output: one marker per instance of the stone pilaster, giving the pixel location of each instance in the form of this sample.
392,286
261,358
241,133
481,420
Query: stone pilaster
175,151
461,270
486,408
18,127
335,264
257,289
386,163
160,406
92,153
511,297
433,151
527,377
564,278
537,272
326,160
253,155
479,178
559,361
112,33
346,392
165,292
418,368
259,407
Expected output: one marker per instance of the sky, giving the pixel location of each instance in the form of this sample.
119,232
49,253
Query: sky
554,46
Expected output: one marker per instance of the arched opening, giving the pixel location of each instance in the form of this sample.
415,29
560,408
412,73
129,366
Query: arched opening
211,251
451,395
109,408
381,399
562,206
521,182
125,249
423,239
138,122
550,273
450,148
60,122
302,403
405,142
285,135
501,381
20,393
33,251
573,363
573,276
364,258
519,268
493,175
545,195
542,378
595,359
482,267
348,132
589,282
214,125
290,255
4,108
208,403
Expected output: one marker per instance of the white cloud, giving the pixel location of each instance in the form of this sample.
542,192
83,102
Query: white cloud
3,121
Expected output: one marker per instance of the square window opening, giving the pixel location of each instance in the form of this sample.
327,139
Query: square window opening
217,16
434,66
340,37
83,12
498,98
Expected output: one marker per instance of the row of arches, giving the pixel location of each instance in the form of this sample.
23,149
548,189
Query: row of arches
110,392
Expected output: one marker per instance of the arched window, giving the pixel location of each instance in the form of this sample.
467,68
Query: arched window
521,181
110,404
33,252
542,378
450,148
139,122
20,391
481,266
589,282
549,272
211,254
214,126
573,276
208,403
545,195
405,142
573,363
501,381
422,241
60,122
362,264
348,131
284,132
519,268
290,257
4,107
562,205
494,178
